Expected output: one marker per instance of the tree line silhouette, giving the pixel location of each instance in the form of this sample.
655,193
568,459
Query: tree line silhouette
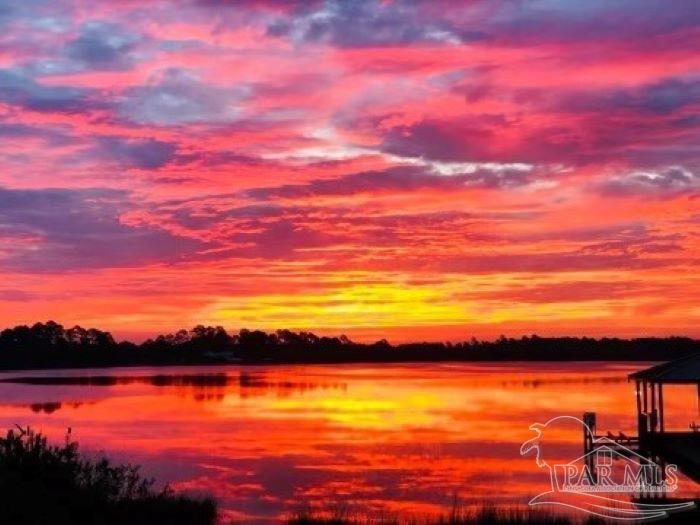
50,345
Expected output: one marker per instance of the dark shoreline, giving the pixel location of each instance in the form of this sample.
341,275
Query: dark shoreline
46,346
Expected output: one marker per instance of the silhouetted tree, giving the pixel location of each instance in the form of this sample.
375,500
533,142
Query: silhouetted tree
50,345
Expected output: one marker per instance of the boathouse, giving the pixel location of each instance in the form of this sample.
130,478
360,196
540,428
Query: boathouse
680,446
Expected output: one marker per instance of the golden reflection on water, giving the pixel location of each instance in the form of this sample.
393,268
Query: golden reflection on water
396,438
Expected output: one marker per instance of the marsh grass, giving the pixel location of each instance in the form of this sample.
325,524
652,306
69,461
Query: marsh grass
485,514
42,483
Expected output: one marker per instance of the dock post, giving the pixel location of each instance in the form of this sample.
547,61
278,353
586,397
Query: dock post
643,425
589,421
645,397
654,411
639,407
662,424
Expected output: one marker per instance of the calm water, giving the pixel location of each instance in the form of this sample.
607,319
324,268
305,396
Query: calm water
383,438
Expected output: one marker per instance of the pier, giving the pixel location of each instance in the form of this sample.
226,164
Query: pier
681,447
654,440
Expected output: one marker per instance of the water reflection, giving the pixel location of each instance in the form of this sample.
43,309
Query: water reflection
207,387
536,383
47,408
382,438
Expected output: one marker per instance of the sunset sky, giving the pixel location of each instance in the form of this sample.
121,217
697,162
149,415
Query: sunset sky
411,170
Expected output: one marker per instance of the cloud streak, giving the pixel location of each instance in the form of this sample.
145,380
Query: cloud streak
57,229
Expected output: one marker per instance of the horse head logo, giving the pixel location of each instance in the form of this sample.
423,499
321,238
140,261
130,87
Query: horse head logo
547,433
546,443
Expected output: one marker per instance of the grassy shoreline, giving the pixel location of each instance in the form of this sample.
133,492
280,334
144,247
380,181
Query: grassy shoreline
42,484
485,514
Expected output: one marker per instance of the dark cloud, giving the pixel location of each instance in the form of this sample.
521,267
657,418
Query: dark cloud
192,215
65,229
102,46
18,89
143,154
260,231
642,130
666,96
365,23
665,183
54,136
572,21
662,97
13,130
399,179
281,238
12,11
471,139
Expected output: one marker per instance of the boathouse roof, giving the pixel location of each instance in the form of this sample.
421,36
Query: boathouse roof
685,370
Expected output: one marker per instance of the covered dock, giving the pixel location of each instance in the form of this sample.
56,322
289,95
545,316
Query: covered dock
679,446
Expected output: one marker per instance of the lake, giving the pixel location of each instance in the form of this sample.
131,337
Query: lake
406,439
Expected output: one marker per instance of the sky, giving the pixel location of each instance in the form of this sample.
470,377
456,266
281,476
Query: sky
415,170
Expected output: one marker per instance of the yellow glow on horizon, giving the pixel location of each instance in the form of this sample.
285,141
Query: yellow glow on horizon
357,305
388,305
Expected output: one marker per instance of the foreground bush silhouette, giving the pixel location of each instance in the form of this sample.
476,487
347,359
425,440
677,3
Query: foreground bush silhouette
46,484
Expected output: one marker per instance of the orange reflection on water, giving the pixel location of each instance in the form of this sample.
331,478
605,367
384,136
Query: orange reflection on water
269,440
